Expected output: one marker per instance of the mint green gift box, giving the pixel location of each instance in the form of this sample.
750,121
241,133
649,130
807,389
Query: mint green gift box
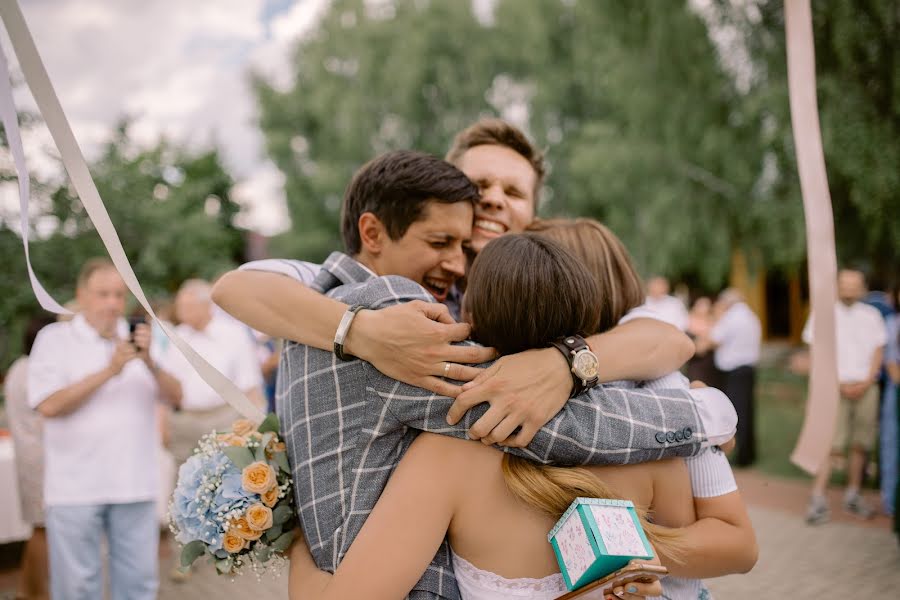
595,537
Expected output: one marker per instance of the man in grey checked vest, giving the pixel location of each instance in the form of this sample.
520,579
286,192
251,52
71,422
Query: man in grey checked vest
405,219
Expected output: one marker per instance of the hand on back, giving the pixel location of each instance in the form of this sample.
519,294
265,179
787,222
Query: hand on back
413,343
524,391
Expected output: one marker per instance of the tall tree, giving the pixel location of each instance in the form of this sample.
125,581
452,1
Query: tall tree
648,124
170,206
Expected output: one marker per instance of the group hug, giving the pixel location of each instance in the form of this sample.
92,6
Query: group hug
462,371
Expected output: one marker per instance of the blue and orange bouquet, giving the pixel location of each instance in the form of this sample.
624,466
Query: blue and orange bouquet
233,501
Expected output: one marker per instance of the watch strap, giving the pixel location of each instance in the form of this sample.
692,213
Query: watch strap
568,347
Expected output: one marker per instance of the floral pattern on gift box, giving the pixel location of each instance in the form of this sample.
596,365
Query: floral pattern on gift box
574,546
618,531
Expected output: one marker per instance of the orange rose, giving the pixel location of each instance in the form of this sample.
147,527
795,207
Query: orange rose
258,477
232,543
270,498
229,439
243,427
259,517
241,528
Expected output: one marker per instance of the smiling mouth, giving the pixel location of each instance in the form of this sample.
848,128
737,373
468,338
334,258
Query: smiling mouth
439,288
490,226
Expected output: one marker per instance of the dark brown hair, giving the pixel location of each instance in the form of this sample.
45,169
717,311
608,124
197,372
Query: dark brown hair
395,187
606,258
525,291
498,132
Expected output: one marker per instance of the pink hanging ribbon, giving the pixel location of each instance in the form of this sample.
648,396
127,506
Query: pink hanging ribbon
814,444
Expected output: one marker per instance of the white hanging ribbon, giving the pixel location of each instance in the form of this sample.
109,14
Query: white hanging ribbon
816,436
79,175
11,126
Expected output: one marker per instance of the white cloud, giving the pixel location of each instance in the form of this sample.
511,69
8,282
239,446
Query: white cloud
179,69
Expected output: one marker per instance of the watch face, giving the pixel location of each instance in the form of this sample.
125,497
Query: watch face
585,365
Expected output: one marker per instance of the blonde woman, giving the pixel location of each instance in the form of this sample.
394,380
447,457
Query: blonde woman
718,504
495,511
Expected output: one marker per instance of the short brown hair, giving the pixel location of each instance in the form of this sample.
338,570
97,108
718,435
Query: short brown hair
91,266
395,188
497,132
605,256
524,291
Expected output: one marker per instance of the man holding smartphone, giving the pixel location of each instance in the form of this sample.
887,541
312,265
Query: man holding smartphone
98,393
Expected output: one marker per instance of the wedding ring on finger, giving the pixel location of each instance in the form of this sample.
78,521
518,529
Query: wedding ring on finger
446,369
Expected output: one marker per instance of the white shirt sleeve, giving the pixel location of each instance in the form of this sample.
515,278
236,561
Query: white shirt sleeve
717,415
299,270
247,371
722,329
711,475
641,312
46,365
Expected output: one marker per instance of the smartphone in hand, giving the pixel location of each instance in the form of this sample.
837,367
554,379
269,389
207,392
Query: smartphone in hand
598,590
133,322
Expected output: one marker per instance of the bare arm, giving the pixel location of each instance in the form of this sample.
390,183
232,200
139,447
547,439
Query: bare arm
720,542
71,397
280,307
169,386
641,349
400,536
530,387
411,342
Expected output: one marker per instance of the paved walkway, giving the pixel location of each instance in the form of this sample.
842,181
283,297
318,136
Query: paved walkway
843,559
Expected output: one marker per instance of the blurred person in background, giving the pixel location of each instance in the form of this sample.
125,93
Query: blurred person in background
669,308
226,347
861,337
97,389
27,429
701,367
890,416
735,339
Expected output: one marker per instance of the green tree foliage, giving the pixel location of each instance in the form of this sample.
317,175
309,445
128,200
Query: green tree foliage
170,206
858,80
645,128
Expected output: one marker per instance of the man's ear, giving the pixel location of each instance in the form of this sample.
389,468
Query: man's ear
372,233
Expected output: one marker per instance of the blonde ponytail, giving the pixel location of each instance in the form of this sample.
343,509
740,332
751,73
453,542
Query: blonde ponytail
552,489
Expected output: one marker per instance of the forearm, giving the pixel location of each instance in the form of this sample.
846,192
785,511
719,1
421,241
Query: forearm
169,386
280,307
69,399
640,350
305,580
713,548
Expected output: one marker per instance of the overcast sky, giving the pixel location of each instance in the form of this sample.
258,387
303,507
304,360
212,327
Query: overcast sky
178,68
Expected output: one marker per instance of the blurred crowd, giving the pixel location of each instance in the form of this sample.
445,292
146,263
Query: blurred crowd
140,426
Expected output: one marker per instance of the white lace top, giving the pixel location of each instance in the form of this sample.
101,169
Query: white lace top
475,584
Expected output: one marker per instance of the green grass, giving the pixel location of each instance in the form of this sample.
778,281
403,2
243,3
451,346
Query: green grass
780,404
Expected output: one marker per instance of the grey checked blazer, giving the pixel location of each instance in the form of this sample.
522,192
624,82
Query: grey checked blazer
346,427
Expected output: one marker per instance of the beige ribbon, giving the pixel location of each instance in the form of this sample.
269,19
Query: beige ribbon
10,119
79,175
816,435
